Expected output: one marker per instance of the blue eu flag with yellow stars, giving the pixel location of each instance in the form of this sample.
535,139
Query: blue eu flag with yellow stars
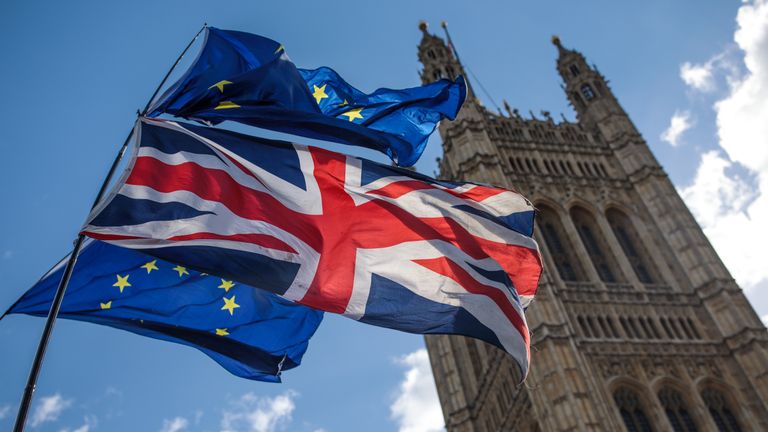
250,332
249,79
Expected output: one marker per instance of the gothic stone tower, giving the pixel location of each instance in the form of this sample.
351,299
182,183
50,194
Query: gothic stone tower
637,325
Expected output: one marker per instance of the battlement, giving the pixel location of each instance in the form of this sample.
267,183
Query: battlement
517,129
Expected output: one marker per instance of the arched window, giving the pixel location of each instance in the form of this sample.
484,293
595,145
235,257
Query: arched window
574,70
675,329
639,329
677,411
684,326
581,168
570,167
720,411
548,167
693,328
587,91
626,328
646,330
609,320
595,245
536,166
654,329
559,246
597,170
631,245
632,412
665,324
584,327
593,328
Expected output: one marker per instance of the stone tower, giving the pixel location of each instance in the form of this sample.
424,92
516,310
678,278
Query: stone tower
637,324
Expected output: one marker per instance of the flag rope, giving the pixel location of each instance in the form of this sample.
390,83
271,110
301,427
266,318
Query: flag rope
37,363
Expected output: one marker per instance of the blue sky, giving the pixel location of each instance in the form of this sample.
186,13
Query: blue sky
74,74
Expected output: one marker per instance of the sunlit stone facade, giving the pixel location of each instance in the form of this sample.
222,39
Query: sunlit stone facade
637,325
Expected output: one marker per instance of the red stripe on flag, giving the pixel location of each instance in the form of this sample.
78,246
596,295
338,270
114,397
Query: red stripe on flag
450,269
217,185
108,237
263,240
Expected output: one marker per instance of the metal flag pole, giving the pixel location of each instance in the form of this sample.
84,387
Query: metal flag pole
37,363
455,51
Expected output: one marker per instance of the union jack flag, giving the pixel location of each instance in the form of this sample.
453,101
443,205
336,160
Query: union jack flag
375,243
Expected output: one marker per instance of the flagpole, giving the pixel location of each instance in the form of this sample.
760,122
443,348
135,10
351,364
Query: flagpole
37,363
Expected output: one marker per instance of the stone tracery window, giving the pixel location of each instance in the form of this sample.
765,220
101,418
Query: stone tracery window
595,245
630,243
587,91
559,246
721,413
677,411
632,412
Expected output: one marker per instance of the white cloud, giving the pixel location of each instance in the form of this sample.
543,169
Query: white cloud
729,210
4,411
733,212
259,414
741,116
765,319
679,123
417,408
698,76
175,424
48,409
715,195
88,423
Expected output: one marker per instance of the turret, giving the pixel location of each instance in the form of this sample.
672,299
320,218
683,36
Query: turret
587,90
439,60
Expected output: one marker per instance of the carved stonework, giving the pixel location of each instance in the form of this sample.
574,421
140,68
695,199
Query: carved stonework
617,367
698,369
660,368
634,296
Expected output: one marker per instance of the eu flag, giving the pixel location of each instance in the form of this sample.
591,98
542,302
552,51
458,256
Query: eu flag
249,79
250,332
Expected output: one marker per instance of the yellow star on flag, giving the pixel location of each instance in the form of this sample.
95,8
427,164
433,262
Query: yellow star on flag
354,113
280,48
345,103
152,265
319,93
222,332
106,305
122,282
227,105
220,85
182,270
230,305
227,285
